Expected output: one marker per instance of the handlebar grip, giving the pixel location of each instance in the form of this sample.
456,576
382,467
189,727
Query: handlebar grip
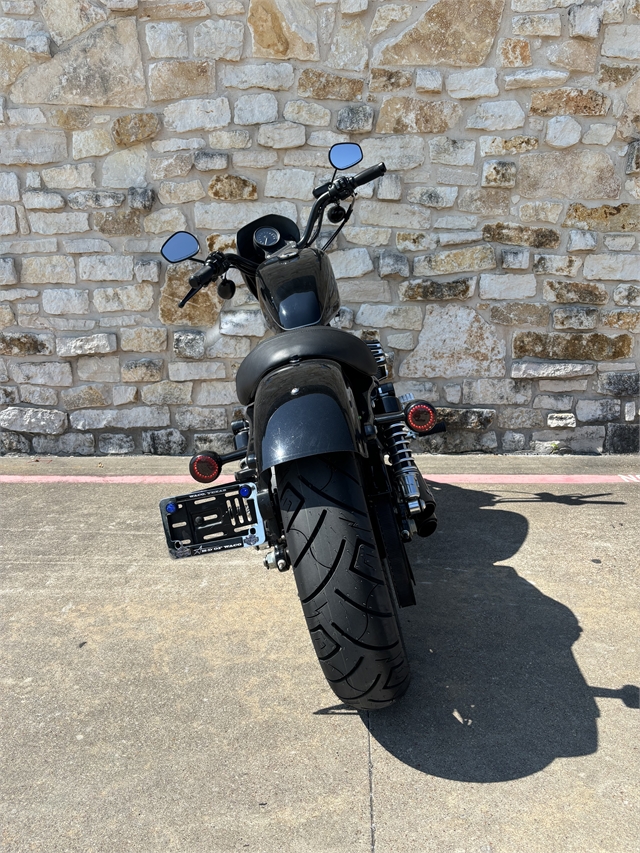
321,190
369,174
202,277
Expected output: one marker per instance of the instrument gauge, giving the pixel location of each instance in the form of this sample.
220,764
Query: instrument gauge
266,237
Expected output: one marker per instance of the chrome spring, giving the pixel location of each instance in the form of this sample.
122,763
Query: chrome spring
396,441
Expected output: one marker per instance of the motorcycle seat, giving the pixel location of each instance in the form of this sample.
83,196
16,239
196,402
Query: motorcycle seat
322,342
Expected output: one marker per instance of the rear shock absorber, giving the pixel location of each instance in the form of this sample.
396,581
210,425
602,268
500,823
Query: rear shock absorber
415,492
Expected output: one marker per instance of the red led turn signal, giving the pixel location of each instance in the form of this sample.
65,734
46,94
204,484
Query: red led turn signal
205,467
420,416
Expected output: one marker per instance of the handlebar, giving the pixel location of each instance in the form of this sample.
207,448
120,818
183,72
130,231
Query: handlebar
369,174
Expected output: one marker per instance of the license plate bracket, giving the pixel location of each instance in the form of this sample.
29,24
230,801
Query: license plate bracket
214,519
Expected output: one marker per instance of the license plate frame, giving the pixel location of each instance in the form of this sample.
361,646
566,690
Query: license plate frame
212,520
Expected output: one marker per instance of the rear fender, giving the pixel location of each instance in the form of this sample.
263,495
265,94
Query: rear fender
304,409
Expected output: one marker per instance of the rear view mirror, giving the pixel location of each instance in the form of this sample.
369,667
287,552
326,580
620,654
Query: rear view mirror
179,247
344,155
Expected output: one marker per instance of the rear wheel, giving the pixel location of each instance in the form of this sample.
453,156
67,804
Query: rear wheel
345,593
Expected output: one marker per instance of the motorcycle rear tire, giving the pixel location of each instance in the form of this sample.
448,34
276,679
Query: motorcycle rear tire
346,594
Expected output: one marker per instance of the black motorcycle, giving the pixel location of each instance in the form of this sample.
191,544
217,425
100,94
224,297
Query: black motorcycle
327,480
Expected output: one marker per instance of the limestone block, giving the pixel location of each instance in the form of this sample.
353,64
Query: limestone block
106,268
249,323
413,115
498,115
597,411
135,127
289,183
8,220
9,187
232,186
556,345
42,373
384,80
575,317
477,83
282,134
471,259
303,112
619,384
448,33
172,192
585,173
351,263
321,85
349,49
143,370
496,392
390,13
140,416
7,317
119,224
216,394
402,341
70,77
229,216
428,80
498,173
367,236
43,421
487,202
88,199
170,80
13,60
389,188
26,343
135,297
97,369
399,153
514,53
557,264
521,235
612,267
86,396
555,371
167,393
355,119
65,301
8,273
622,41
196,114
197,417
406,216
115,444
536,25
283,30
70,177
169,219
452,152
269,75
520,314
91,143
208,161
455,341
390,316
420,290
619,242
124,394
584,21
507,286
185,371
38,395
556,290
58,223
624,217
254,160
166,39
215,39
570,101
68,18
143,340
437,197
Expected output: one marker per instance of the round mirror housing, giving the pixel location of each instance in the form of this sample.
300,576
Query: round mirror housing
179,247
344,155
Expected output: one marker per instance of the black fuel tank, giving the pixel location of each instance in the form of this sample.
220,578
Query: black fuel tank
297,291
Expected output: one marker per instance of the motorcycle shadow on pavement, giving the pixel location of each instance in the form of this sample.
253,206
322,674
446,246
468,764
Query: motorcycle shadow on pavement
496,693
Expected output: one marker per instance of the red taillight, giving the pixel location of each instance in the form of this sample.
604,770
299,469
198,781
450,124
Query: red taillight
205,467
420,416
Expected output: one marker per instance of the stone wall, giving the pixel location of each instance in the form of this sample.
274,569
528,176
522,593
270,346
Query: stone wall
497,260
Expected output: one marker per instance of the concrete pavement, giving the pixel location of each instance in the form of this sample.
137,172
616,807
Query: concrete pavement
152,705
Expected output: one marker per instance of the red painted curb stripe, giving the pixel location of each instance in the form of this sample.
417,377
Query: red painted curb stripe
488,479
